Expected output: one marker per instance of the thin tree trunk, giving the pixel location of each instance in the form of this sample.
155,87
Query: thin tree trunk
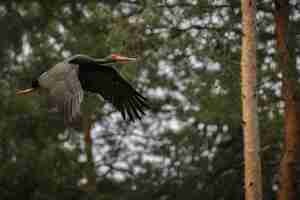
91,173
253,182
287,63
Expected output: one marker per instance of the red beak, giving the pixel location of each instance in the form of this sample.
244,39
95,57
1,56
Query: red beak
122,59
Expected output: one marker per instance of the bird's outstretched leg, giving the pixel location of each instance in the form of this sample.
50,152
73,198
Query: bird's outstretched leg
24,92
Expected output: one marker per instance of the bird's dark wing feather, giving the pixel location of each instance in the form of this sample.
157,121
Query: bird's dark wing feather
66,93
106,81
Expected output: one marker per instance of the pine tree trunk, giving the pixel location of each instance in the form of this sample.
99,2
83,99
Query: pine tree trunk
253,183
88,143
287,63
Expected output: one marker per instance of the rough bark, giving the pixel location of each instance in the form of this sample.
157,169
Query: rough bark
287,63
253,183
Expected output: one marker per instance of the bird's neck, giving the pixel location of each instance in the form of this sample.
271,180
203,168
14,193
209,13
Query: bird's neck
105,61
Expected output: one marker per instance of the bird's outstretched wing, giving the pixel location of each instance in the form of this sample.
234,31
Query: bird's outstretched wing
106,81
65,90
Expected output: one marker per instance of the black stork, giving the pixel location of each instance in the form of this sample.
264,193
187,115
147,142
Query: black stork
66,82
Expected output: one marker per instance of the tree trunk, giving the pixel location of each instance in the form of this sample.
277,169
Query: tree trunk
88,143
253,183
287,63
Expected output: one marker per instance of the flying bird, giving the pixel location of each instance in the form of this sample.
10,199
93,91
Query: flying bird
66,82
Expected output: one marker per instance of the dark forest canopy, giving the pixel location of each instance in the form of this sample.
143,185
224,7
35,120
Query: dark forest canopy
188,147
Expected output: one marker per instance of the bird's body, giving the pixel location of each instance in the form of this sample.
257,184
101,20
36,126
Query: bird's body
66,82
